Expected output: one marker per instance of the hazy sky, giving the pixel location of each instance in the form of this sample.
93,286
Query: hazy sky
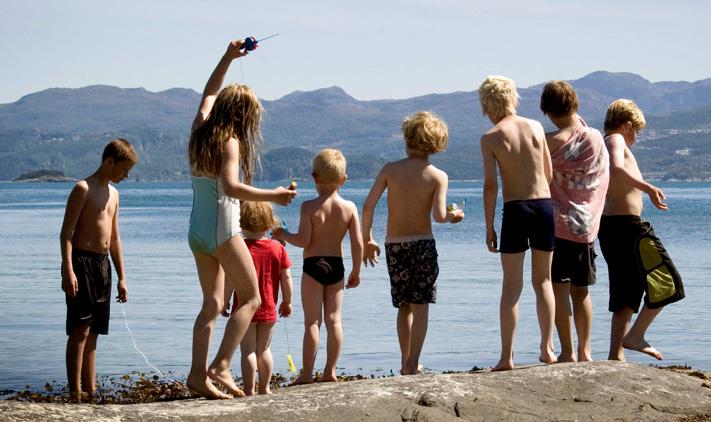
372,49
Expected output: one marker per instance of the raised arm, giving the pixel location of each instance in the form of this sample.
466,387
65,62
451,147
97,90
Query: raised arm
231,184
356,238
616,148
116,252
371,249
491,190
75,203
302,238
213,85
439,203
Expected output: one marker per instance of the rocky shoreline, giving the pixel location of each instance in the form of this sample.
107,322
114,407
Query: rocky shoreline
592,391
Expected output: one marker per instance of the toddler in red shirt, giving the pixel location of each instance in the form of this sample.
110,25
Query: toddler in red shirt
272,265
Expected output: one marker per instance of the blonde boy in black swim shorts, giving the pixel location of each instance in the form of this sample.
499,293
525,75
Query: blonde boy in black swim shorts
517,146
416,188
620,228
324,223
90,233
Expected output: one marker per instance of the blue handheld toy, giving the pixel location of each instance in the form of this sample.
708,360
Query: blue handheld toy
251,43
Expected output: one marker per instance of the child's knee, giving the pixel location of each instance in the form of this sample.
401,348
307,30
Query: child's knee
333,320
254,303
212,306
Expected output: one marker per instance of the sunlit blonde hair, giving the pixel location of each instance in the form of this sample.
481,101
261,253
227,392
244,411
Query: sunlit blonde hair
425,132
622,111
257,217
329,166
498,97
235,114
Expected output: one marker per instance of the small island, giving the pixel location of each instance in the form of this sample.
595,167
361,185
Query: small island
43,176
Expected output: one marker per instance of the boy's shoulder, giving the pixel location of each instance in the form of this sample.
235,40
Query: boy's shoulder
82,185
614,139
389,167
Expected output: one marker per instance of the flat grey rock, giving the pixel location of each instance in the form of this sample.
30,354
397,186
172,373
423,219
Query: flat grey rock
564,392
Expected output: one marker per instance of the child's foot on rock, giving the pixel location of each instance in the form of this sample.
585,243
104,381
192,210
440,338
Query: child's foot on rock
584,356
265,391
224,379
302,379
408,371
566,357
74,397
205,388
641,345
328,378
547,357
503,365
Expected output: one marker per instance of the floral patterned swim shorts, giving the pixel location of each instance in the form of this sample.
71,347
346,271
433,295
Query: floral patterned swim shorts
413,271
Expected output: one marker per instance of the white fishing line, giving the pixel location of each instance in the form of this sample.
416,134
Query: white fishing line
135,346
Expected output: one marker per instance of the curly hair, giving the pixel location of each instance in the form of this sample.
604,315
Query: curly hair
425,132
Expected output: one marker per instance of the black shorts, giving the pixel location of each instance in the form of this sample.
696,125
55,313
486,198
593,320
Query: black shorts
618,234
91,304
324,269
527,222
413,270
574,263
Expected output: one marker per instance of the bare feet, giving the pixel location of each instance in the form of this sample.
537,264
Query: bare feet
547,358
265,391
503,365
584,356
302,379
405,370
327,378
641,345
224,379
566,357
75,397
205,388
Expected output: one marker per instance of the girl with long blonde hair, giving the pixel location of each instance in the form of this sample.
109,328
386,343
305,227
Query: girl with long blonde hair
224,151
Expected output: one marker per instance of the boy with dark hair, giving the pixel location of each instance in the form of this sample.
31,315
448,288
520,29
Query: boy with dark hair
90,233
580,179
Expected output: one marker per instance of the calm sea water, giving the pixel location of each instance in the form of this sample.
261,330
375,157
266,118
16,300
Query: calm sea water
164,294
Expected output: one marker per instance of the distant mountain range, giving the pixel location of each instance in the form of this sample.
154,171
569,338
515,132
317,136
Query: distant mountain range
65,129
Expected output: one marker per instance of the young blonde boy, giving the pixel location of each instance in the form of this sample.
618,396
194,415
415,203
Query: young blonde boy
90,232
517,146
416,188
620,228
323,224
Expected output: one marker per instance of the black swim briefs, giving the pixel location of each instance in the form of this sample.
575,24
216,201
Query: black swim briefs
527,222
91,305
413,270
573,262
325,269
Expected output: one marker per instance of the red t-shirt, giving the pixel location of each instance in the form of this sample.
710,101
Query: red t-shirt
269,258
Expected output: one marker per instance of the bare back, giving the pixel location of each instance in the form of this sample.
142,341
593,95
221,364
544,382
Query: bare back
622,198
519,147
411,184
330,217
94,226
